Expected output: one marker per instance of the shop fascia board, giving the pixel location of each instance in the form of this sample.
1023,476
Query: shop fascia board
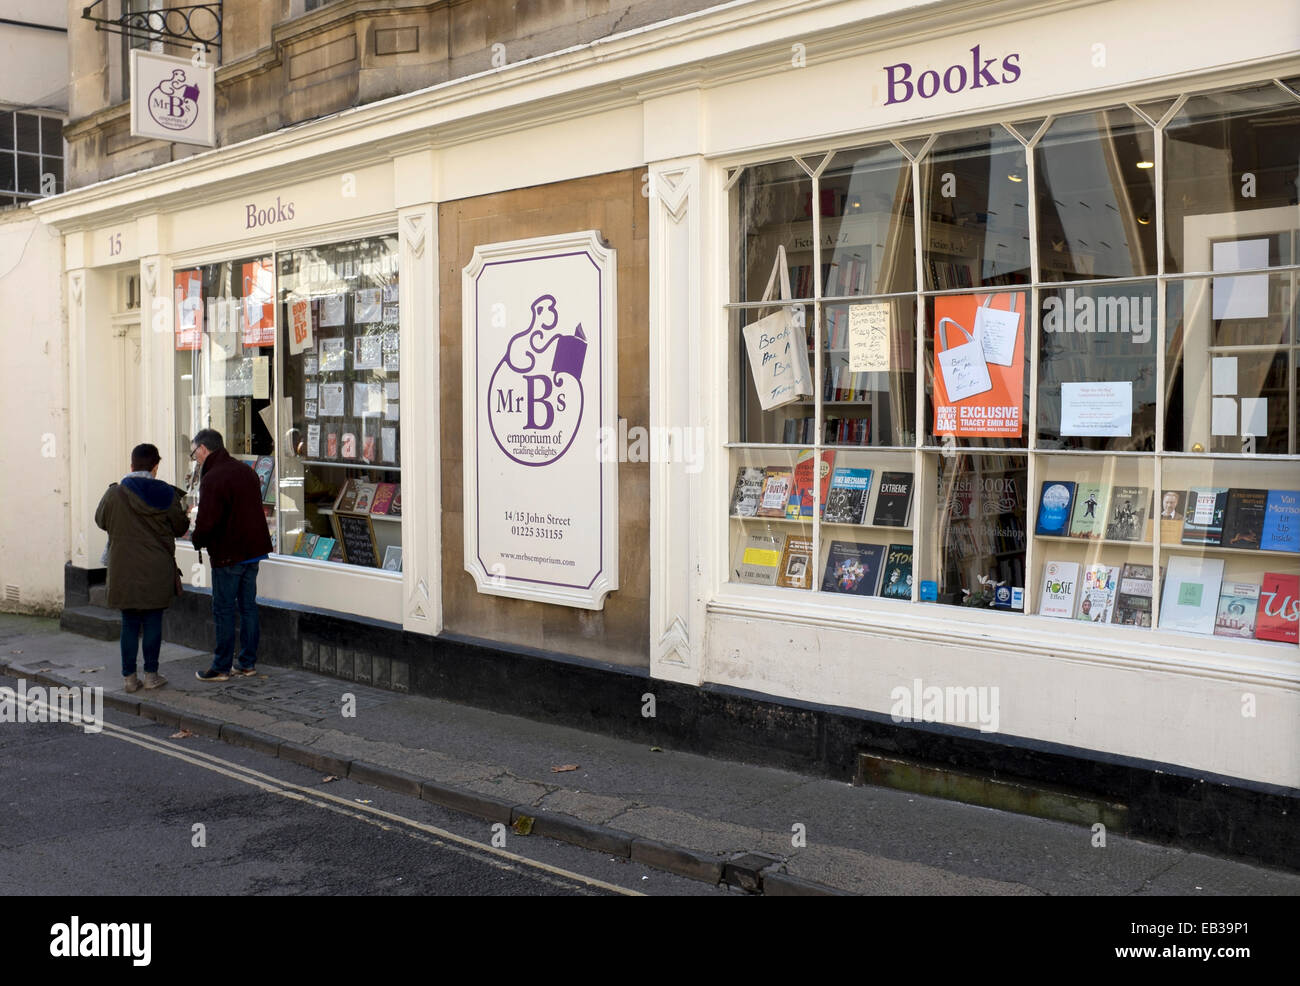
715,46
974,630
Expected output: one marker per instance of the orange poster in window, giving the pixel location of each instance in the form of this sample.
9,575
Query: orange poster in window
187,288
259,303
979,371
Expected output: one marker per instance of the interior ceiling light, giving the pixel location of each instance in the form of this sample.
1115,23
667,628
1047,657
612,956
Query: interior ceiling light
1016,176
1146,164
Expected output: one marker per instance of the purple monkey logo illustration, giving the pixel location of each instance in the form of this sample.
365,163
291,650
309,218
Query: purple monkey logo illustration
535,397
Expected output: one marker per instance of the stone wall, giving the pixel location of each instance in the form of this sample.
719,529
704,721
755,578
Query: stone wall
279,67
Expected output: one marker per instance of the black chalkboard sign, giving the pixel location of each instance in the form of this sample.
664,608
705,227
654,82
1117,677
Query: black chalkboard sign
357,536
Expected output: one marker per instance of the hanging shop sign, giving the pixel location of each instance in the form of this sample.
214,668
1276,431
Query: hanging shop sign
172,99
540,391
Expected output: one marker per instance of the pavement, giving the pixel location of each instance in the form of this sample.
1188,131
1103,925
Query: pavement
761,829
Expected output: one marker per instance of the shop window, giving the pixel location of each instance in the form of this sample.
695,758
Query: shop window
224,339
1156,491
1232,162
318,328
340,485
1096,196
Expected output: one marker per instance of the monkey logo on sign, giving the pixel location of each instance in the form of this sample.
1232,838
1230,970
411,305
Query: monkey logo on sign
173,103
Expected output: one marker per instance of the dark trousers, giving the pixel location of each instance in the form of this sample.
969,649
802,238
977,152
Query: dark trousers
135,622
234,587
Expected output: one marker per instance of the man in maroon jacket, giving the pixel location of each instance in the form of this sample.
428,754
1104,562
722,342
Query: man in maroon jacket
232,527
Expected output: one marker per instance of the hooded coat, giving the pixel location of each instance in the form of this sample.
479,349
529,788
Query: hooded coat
143,518
231,524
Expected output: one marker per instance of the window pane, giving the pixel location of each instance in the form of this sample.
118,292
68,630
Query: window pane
340,480
1230,172
977,202
6,171
868,242
979,540
6,130
224,371
53,166
1097,368
29,174
1095,175
28,132
773,204
877,406
52,136
978,383
1094,524
1230,376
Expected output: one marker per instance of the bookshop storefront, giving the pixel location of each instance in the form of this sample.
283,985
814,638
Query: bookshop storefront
1019,425
1041,454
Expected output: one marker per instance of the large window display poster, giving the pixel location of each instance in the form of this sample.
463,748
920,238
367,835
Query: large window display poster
259,303
540,377
979,377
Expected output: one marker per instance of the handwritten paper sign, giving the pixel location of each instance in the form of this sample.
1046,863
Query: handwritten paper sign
299,325
869,338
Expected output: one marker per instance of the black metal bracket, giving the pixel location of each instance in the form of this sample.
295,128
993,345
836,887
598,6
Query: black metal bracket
198,23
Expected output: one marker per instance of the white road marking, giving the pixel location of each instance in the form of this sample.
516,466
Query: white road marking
343,806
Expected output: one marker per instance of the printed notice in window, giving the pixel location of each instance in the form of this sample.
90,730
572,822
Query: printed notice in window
1103,408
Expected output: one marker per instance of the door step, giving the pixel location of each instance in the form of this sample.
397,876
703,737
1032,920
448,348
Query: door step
92,621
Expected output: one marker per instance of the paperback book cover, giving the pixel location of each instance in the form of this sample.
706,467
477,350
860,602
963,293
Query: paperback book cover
803,484
265,469
846,501
894,500
1130,509
323,548
365,497
395,509
1054,509
1190,599
347,499
896,582
1243,520
383,501
1281,521
1173,508
1203,521
853,568
1278,617
306,544
749,488
1238,602
795,571
759,558
1089,517
776,492
1060,587
1097,597
1133,597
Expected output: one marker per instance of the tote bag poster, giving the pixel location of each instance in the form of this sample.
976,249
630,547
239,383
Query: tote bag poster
541,501
187,287
979,378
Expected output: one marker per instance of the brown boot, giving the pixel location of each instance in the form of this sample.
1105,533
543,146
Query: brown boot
152,679
131,683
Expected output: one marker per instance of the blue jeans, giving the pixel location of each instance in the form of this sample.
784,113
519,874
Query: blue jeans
235,586
133,622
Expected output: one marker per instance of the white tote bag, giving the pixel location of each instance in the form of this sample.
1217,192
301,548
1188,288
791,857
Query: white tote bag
997,331
778,347
965,373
